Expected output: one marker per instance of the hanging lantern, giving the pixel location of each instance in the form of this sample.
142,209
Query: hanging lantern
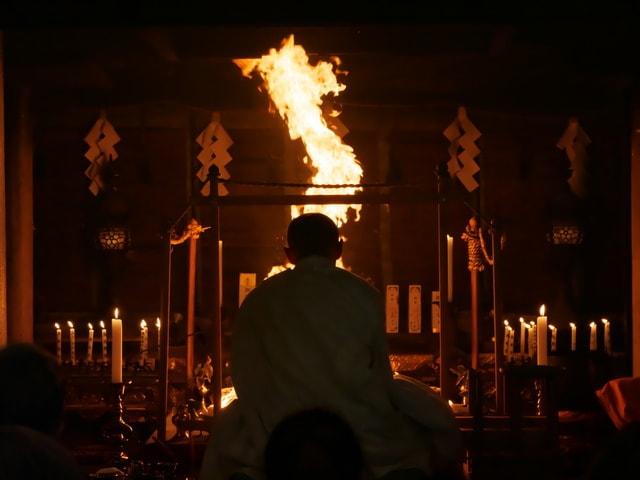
565,234
113,238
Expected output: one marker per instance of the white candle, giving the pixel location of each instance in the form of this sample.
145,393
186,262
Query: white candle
449,268
607,335
532,339
593,337
116,348
523,329
144,336
158,323
512,335
90,344
58,343
554,338
104,342
505,348
72,342
541,344
573,336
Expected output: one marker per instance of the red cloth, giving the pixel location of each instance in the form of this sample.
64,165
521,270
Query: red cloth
620,398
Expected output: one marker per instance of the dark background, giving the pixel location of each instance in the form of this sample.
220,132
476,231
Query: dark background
159,72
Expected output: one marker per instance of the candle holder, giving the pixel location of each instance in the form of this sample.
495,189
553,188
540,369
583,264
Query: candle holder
117,430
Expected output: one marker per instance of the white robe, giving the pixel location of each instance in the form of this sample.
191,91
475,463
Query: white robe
314,337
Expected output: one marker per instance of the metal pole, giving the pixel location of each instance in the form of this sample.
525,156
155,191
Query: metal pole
214,173
498,331
164,347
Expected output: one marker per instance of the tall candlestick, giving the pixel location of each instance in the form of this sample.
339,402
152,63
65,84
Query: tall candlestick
158,323
554,338
116,348
593,337
541,346
144,336
58,343
449,268
72,342
104,342
573,336
607,335
90,343
523,330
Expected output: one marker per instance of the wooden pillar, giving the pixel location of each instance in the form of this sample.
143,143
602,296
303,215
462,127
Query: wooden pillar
20,224
473,274
164,343
635,234
385,213
191,307
498,326
3,221
214,174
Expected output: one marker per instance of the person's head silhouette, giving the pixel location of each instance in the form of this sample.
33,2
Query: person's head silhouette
313,444
313,234
31,393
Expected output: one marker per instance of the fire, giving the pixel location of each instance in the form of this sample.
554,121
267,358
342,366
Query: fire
297,89
70,324
101,324
143,324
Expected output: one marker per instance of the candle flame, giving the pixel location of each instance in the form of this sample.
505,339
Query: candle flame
521,320
90,326
543,310
506,323
57,325
101,324
551,327
70,323
158,322
592,324
532,323
450,403
116,312
528,326
605,321
572,325
143,324
449,238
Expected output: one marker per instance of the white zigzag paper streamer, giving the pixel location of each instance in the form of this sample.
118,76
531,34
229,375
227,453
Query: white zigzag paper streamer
215,142
574,142
101,140
462,134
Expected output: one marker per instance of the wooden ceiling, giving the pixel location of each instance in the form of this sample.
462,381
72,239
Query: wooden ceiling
534,66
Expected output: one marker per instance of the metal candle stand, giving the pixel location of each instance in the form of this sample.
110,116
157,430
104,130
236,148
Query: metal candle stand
118,430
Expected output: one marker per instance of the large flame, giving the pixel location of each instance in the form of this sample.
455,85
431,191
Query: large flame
297,89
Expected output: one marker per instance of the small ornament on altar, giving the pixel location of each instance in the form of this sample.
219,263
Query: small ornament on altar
104,342
72,342
58,343
393,308
90,343
415,308
607,336
573,336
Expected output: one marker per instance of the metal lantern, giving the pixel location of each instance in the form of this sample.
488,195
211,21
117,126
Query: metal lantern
114,238
566,234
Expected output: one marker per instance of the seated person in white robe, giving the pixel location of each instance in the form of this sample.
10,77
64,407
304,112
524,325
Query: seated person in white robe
313,336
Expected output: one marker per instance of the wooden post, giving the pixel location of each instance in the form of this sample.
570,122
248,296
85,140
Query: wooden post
191,306
19,184
164,345
447,387
635,235
214,173
473,275
3,206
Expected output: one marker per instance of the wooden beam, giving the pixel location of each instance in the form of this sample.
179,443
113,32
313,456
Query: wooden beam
635,235
3,205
